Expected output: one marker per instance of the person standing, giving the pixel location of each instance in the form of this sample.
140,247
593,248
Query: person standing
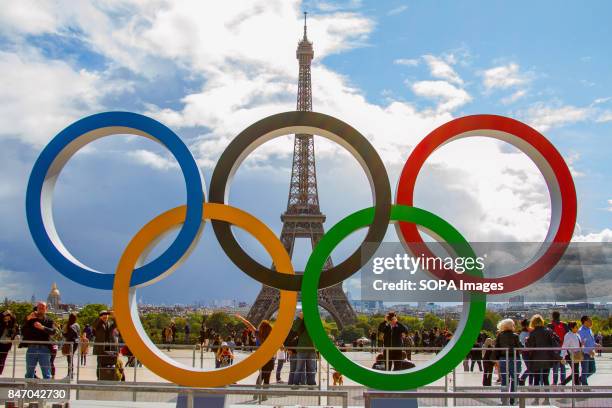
104,341
84,348
589,343
38,327
306,368
560,329
372,337
281,357
572,352
542,340
8,331
187,332
506,339
261,333
393,339
173,330
488,362
71,340
290,346
523,335
599,340
88,332
476,356
167,334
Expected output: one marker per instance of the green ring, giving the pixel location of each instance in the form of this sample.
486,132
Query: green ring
443,363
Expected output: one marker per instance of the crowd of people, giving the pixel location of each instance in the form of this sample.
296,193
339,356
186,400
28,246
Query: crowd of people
41,337
525,355
541,348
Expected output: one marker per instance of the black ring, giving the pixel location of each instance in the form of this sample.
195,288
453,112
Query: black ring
301,123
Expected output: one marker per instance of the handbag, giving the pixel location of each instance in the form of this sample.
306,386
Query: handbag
577,356
66,349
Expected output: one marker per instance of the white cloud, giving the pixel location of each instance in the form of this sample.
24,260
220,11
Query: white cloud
571,161
397,10
411,62
605,116
599,101
154,160
610,205
543,117
521,93
604,235
41,96
327,7
29,17
12,287
449,96
442,69
504,77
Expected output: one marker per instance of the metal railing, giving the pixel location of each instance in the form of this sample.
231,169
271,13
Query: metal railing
521,397
203,358
190,392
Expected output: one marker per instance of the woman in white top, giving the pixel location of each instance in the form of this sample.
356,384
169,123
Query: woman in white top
572,352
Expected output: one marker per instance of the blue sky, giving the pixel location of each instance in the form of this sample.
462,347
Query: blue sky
394,70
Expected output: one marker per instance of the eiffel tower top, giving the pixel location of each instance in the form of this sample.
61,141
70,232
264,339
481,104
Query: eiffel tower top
304,54
305,36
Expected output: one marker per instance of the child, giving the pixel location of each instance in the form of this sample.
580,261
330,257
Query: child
379,364
338,379
84,348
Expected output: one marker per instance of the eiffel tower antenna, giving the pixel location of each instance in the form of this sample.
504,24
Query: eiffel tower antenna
303,217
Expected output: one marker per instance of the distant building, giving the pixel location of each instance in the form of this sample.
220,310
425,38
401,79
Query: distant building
580,306
54,299
517,302
431,307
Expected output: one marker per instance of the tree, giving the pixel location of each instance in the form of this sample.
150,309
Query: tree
350,333
490,322
20,309
89,313
430,321
223,323
412,323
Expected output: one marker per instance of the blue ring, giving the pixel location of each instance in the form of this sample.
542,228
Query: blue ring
142,124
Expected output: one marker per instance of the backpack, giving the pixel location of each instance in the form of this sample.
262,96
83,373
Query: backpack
559,328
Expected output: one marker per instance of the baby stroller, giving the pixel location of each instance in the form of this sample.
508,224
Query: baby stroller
110,367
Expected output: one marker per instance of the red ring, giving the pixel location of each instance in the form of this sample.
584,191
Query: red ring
409,233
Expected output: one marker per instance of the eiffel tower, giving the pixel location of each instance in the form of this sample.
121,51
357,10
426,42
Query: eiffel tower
303,218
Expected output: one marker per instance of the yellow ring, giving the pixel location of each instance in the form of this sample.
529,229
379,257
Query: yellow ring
126,309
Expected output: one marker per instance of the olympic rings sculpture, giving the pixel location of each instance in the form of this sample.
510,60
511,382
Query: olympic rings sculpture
131,272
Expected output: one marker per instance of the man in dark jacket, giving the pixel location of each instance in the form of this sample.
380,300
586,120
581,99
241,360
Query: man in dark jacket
104,340
541,340
38,328
306,368
393,340
290,345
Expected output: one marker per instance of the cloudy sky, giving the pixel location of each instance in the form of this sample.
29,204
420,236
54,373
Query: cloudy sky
393,70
